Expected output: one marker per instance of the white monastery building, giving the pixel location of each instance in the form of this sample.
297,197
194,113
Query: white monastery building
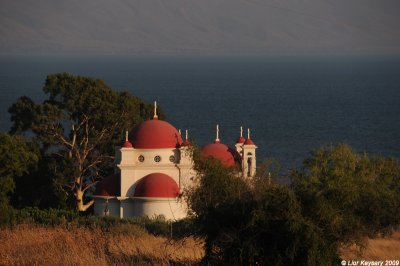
154,166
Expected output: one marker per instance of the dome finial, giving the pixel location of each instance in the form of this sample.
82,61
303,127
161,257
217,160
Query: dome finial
155,111
248,133
240,140
217,138
180,132
127,144
186,135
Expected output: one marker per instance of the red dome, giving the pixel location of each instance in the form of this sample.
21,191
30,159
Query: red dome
157,185
240,140
155,134
220,152
109,186
127,144
249,142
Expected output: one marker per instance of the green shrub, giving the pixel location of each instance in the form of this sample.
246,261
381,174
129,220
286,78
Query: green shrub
349,195
49,217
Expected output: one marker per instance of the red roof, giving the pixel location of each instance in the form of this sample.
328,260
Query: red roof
240,140
249,142
157,185
220,152
127,144
109,186
186,143
155,134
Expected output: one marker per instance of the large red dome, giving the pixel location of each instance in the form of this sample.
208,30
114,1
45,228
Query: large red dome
157,185
220,152
155,134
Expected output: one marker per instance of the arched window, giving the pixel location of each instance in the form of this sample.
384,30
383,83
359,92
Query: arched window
249,163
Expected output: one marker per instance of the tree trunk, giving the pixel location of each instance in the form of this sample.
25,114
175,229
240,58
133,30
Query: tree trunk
79,201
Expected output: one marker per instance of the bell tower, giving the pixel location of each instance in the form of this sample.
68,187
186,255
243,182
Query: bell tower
249,164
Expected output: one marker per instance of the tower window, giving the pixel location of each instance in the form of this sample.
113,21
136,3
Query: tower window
141,158
157,158
172,158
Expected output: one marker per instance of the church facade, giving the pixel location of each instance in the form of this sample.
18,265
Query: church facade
154,166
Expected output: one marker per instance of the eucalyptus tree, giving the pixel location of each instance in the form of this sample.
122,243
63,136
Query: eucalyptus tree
78,124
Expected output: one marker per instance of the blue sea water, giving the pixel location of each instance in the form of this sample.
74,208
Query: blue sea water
292,104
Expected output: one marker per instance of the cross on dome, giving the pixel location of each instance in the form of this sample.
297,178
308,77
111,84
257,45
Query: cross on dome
217,138
248,140
240,140
186,142
155,111
127,144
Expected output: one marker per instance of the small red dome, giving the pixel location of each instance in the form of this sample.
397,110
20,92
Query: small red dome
220,152
109,186
157,185
240,140
155,134
127,144
249,142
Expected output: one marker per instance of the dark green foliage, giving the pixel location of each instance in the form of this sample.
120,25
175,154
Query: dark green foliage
184,227
49,217
280,234
68,218
348,195
249,223
17,158
39,188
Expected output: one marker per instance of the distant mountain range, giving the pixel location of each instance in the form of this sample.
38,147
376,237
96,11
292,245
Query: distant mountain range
199,26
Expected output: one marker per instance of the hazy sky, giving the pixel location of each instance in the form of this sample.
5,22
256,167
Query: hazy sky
199,26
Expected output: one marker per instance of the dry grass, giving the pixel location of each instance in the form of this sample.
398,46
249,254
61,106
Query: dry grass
35,245
376,249
29,245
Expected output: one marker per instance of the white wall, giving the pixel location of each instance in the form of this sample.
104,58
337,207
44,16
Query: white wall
100,205
152,207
